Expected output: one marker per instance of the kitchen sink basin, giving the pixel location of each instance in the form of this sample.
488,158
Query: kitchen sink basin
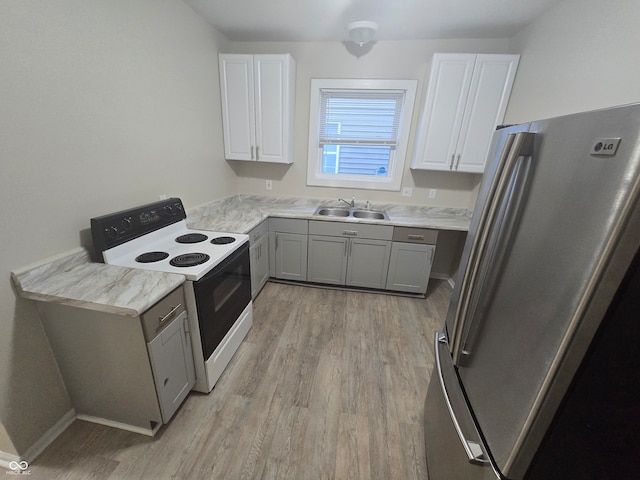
351,212
332,212
370,214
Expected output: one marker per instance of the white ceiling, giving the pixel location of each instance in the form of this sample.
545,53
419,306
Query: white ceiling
326,20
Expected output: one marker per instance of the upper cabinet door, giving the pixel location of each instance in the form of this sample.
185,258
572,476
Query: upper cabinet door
445,102
258,101
465,100
238,112
493,77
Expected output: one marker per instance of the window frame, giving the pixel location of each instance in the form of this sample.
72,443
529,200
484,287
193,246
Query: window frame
397,161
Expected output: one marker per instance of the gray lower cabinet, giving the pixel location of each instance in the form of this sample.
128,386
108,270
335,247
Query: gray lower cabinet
123,371
288,248
411,259
172,365
259,257
349,253
327,259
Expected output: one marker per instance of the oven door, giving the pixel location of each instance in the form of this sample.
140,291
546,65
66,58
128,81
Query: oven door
221,296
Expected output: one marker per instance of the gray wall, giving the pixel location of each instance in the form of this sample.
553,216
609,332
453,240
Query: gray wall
581,55
102,102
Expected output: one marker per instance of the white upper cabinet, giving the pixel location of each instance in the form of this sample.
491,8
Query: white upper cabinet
465,101
258,100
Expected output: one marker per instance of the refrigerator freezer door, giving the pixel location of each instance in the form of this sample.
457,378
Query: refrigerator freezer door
544,273
453,446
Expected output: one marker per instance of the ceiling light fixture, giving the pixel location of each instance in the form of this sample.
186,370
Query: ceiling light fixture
362,32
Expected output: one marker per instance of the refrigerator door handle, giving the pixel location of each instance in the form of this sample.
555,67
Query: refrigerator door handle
516,146
470,440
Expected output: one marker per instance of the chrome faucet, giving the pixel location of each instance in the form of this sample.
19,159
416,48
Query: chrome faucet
352,203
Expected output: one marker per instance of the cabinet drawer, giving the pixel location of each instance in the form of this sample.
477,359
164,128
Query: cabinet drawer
258,232
415,235
160,315
289,225
358,230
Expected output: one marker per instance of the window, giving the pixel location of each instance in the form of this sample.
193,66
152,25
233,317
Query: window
358,132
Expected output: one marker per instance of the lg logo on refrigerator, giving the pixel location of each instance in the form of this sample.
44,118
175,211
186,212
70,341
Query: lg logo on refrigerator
605,147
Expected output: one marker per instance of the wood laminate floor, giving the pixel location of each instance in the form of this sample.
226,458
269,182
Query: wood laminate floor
328,384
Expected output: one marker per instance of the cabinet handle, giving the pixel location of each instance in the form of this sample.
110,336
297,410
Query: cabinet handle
353,233
276,241
346,248
415,237
457,161
251,152
162,319
453,157
257,153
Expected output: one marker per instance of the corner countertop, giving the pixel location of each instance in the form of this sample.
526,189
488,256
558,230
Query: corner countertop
241,213
73,279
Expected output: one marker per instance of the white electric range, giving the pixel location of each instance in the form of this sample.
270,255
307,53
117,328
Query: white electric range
215,264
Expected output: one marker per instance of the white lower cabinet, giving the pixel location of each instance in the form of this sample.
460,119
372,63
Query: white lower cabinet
349,254
288,248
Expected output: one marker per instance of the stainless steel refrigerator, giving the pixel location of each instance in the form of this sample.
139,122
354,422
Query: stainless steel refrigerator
537,372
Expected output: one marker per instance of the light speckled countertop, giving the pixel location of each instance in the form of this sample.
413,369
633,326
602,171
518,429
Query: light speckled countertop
241,213
73,279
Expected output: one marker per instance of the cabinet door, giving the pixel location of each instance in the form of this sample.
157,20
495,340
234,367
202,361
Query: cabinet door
238,110
368,263
493,77
410,267
442,115
290,254
274,99
259,265
327,259
172,364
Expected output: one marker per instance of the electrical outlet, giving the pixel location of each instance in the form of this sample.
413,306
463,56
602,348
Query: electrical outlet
432,192
269,185
407,191
163,196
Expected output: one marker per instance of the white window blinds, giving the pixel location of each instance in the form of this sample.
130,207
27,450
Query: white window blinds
350,117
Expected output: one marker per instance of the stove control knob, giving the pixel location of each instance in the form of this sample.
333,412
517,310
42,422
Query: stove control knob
111,232
126,223
168,210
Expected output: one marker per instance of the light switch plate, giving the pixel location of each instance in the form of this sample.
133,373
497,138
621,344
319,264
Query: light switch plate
269,185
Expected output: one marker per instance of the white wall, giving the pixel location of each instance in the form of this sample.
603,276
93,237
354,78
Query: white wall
581,55
104,105
400,59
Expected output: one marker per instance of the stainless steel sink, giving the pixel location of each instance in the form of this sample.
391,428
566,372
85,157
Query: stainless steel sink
351,212
332,212
370,214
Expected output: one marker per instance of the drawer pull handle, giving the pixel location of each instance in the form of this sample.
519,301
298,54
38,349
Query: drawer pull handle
415,237
173,310
350,232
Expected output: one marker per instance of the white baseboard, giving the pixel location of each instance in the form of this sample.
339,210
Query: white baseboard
150,432
7,459
443,276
